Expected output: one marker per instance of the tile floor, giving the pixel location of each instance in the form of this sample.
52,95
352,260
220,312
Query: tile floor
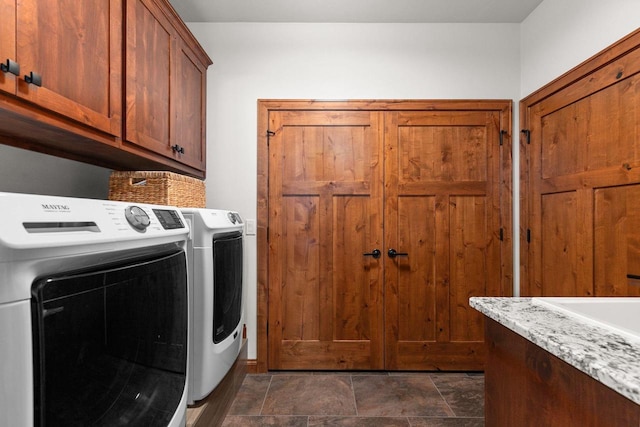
359,399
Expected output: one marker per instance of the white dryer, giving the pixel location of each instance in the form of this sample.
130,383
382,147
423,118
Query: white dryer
214,262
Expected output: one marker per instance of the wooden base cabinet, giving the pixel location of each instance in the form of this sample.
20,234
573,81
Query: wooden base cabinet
527,386
61,83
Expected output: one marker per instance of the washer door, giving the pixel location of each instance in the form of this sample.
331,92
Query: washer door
111,344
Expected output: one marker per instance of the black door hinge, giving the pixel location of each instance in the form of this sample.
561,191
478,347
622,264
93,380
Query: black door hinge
502,235
503,133
527,134
269,135
528,235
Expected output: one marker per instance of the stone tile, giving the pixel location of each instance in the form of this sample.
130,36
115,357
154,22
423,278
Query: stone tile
317,421
251,395
362,373
310,395
251,421
446,422
292,373
393,396
464,395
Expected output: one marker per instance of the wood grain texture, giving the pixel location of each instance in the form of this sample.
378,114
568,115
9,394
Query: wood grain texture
458,183
78,112
584,146
527,386
150,52
8,81
165,86
325,212
617,240
77,51
442,176
189,98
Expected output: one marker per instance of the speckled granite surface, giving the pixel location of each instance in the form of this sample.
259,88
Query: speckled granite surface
610,358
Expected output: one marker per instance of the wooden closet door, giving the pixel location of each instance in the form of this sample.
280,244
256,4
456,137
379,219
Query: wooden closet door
580,158
325,212
584,180
442,213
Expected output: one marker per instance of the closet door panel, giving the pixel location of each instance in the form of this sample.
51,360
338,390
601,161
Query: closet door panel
441,178
325,286
617,241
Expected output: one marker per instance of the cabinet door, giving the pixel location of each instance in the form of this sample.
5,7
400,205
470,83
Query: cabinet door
150,48
7,43
189,101
76,48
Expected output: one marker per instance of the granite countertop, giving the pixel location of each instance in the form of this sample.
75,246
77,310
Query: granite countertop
604,355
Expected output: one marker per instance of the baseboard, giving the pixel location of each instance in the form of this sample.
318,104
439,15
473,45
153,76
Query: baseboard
252,366
212,410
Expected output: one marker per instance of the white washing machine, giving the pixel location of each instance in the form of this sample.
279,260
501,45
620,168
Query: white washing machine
93,313
215,257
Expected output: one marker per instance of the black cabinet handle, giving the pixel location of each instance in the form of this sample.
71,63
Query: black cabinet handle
11,67
392,253
177,149
33,78
374,253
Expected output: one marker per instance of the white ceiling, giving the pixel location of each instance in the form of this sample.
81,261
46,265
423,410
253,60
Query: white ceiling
374,11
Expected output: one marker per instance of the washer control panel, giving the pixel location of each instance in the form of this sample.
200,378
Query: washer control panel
137,218
169,219
234,217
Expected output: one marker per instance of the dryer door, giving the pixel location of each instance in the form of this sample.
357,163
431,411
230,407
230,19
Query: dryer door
227,284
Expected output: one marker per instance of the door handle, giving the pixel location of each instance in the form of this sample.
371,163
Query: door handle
392,253
375,253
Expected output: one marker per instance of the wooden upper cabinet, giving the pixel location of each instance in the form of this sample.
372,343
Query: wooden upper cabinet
63,90
148,76
190,106
73,48
165,87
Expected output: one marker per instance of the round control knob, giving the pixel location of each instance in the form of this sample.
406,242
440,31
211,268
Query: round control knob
137,218
232,217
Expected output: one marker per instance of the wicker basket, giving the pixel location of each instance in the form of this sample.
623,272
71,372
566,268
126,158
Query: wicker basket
159,188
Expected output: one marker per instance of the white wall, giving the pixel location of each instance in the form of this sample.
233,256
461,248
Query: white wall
23,171
334,61
561,34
